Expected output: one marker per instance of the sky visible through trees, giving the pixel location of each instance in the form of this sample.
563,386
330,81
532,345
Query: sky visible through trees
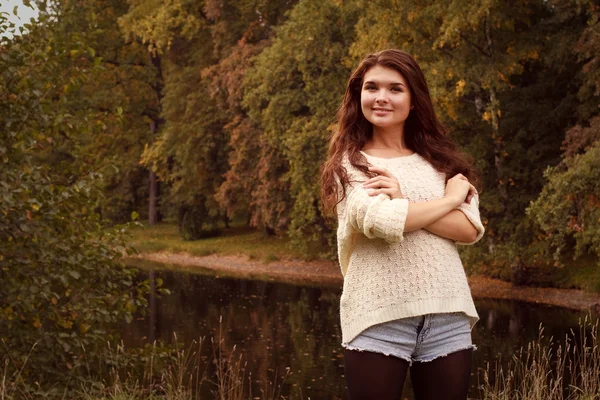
24,13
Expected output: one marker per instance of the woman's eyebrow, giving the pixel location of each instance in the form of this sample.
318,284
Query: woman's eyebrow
391,84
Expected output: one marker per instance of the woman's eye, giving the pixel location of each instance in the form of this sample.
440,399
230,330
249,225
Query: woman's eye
370,87
397,90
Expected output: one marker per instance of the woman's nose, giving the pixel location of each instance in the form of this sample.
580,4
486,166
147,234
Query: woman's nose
381,98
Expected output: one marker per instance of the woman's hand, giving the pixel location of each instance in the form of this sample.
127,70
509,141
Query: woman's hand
459,189
472,192
384,182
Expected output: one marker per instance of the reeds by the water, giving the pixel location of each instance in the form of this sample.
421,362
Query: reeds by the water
543,370
179,379
549,371
177,375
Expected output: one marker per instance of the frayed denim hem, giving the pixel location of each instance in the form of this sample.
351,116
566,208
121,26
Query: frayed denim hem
470,347
353,348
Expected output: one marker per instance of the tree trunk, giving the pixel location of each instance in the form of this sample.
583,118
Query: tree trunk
153,199
154,215
498,149
498,161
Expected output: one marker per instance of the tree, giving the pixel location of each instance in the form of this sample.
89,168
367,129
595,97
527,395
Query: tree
240,31
292,92
192,151
567,207
127,94
53,248
157,24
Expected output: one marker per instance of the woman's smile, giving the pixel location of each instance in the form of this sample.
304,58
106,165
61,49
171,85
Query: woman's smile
381,111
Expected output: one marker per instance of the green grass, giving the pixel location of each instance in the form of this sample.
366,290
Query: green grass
257,246
164,237
581,273
574,274
585,274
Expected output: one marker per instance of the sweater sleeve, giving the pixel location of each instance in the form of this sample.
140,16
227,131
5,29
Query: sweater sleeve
376,216
471,211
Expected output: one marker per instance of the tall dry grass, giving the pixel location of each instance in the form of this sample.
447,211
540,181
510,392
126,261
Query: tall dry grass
180,376
543,370
550,371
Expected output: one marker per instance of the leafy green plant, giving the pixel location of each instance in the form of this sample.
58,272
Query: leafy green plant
568,206
63,284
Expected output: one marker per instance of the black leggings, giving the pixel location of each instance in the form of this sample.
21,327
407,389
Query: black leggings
374,376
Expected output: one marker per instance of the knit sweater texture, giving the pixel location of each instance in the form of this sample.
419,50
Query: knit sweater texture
391,274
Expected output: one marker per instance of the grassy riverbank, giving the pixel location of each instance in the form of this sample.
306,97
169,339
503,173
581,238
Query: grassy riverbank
257,246
543,370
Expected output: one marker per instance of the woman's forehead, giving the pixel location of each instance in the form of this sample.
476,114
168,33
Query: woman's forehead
384,75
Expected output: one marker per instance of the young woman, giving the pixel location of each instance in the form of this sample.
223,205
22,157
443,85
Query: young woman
404,199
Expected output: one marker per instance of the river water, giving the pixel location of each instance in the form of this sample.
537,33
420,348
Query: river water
288,337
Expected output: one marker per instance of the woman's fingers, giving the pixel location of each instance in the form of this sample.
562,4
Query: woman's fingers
384,182
457,189
378,181
380,171
472,192
393,191
460,176
374,192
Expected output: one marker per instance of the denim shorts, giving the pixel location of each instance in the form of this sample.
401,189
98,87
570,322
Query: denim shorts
422,338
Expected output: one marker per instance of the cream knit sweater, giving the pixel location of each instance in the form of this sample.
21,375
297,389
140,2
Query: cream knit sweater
389,273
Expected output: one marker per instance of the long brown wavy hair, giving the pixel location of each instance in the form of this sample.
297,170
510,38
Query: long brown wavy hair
423,132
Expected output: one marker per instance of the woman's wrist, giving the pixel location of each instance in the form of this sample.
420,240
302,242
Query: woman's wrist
421,214
453,201
397,195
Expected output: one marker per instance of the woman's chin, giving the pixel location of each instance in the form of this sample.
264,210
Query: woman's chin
385,123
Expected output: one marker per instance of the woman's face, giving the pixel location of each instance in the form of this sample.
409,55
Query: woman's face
385,97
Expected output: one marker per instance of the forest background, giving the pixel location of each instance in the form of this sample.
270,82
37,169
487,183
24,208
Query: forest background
217,113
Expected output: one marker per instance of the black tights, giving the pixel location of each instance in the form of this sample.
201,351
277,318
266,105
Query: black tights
374,376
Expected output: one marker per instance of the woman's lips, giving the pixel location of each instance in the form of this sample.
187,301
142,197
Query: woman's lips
381,111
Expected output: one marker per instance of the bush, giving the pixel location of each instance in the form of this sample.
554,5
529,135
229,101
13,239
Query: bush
63,285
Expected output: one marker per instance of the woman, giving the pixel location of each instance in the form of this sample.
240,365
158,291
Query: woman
404,199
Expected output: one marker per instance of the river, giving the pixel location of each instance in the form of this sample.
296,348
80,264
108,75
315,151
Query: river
288,337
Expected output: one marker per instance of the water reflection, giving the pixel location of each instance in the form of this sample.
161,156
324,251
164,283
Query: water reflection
284,329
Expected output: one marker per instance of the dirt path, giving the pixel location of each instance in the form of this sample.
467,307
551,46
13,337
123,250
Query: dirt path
327,273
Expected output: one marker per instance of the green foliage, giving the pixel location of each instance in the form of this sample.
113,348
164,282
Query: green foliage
194,144
158,23
568,208
251,88
292,91
240,31
201,107
63,286
236,240
124,93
